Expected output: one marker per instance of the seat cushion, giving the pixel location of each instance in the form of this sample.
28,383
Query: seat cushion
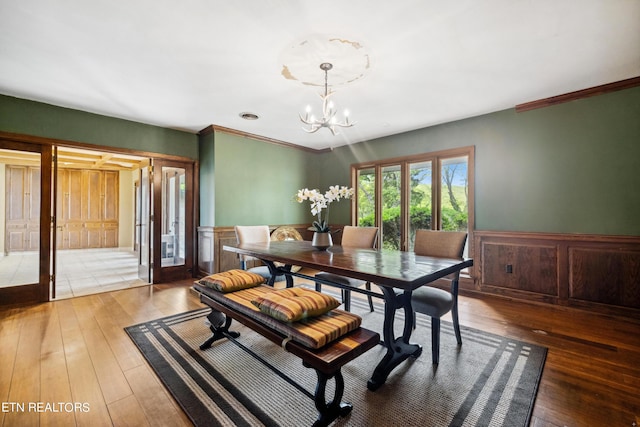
232,280
431,301
315,332
354,283
293,304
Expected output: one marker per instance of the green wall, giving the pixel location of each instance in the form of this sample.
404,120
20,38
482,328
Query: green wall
255,182
570,168
33,118
207,178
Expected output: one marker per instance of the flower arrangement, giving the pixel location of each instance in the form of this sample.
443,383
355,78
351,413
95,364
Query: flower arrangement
321,201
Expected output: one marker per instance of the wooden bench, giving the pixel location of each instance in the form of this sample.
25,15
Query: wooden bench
327,361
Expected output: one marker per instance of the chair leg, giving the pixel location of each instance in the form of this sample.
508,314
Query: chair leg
456,324
368,287
435,340
346,298
318,287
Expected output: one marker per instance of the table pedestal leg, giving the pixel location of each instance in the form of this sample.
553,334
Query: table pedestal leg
219,325
277,271
398,349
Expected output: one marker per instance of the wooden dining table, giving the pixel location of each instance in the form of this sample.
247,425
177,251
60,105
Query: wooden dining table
397,273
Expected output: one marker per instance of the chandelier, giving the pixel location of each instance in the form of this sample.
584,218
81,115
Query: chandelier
328,119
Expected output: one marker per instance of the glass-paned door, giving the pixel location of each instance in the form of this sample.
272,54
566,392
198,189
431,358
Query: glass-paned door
391,207
173,225
420,198
366,198
25,212
173,216
454,194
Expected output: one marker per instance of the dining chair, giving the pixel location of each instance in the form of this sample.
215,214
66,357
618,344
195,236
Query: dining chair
253,234
432,301
355,237
283,233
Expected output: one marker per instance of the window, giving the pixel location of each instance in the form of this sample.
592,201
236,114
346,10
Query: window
428,191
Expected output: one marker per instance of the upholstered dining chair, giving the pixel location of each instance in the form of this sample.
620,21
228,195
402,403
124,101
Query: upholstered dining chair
356,237
283,233
432,301
253,234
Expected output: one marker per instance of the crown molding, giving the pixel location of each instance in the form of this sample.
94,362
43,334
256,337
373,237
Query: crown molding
579,94
215,128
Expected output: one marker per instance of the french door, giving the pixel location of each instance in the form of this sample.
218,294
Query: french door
165,221
162,216
26,193
173,220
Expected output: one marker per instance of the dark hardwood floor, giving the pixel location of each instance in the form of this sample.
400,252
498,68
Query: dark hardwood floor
76,351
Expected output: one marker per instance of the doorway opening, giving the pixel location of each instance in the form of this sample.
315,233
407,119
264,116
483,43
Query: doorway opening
102,228
95,222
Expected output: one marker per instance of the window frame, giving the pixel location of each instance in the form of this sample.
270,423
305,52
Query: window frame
404,162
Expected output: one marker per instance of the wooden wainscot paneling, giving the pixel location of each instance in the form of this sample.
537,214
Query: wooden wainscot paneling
205,251
598,273
224,260
605,276
519,268
212,258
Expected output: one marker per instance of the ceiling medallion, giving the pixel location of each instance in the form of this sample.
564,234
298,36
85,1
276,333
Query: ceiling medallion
350,57
328,119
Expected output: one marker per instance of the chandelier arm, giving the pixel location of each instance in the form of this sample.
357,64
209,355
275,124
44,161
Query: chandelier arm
304,120
328,112
346,125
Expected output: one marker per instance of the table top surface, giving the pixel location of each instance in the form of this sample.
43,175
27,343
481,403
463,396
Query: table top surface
398,269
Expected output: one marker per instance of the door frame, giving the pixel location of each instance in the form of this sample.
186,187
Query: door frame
35,292
143,220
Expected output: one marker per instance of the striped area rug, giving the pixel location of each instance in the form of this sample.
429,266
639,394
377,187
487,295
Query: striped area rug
488,381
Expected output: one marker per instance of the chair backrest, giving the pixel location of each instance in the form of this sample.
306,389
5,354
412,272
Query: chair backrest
446,244
251,234
285,233
359,237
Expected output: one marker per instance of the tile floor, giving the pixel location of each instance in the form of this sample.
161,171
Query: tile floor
79,272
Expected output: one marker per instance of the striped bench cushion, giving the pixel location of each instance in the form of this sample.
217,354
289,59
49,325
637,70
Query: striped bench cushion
293,304
232,280
315,332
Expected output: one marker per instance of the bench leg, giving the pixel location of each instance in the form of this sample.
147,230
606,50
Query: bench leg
329,411
219,325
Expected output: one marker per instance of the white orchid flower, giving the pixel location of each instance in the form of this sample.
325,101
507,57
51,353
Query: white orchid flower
321,201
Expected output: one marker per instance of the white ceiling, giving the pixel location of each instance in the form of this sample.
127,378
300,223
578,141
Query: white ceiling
193,63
